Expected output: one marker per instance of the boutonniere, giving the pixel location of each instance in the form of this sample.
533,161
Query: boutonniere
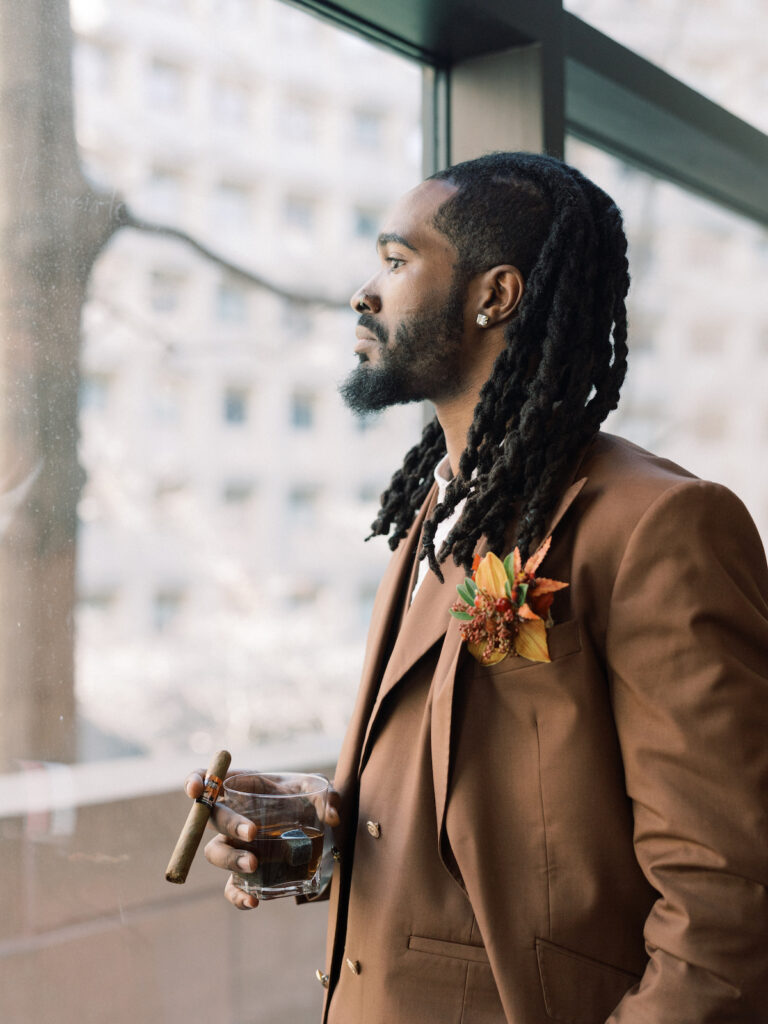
505,608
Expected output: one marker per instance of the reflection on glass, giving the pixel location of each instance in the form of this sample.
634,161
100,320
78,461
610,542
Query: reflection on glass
696,382
183,566
715,46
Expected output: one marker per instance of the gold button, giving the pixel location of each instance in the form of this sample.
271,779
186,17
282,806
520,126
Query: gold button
374,828
353,965
336,853
322,978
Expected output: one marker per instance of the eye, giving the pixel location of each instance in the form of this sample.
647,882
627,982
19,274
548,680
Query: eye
395,262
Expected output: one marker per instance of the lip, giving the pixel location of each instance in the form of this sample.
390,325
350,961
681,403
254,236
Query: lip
365,341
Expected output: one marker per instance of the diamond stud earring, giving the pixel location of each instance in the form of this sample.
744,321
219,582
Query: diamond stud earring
482,320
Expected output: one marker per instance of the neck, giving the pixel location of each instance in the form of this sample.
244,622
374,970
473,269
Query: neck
456,412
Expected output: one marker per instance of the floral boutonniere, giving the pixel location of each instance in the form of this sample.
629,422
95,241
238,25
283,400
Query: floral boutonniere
504,607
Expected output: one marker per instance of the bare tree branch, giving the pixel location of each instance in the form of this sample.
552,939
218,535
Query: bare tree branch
124,217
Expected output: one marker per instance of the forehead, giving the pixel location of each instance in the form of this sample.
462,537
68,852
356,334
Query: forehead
413,214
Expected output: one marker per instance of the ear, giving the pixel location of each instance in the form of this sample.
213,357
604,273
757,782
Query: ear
498,293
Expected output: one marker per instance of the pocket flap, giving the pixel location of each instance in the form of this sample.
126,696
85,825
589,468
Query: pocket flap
578,989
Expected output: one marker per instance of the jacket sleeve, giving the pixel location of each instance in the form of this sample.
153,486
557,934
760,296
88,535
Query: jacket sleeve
687,653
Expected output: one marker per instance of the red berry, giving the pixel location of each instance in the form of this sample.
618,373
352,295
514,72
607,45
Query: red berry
503,605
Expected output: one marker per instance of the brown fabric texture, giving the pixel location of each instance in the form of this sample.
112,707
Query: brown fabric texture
596,827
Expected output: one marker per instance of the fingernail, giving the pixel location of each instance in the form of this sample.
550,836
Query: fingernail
244,862
252,902
244,830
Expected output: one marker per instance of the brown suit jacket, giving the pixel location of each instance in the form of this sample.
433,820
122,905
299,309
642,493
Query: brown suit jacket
606,814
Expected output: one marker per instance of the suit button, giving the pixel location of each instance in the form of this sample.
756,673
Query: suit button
374,828
353,965
322,977
336,853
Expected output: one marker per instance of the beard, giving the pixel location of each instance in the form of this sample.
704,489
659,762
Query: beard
421,364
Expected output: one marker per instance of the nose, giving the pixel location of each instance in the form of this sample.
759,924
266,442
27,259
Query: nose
365,300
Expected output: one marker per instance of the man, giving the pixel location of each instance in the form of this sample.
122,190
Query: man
583,839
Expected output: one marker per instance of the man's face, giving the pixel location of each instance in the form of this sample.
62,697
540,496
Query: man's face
412,311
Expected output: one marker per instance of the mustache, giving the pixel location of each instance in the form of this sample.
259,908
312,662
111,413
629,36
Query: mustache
370,323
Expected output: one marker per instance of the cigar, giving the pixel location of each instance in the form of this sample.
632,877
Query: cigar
197,819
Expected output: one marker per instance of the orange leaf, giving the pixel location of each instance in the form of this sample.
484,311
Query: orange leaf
518,562
491,575
537,557
544,586
531,641
476,650
527,613
475,563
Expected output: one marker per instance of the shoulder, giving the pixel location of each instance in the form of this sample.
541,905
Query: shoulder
633,498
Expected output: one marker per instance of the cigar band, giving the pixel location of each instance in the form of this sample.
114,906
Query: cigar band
213,786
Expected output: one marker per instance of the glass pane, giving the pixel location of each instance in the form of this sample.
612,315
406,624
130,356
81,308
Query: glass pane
184,494
698,330
715,46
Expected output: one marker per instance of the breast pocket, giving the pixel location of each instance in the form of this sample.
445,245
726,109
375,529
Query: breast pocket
563,639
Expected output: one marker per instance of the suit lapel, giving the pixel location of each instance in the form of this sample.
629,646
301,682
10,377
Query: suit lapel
445,679
386,608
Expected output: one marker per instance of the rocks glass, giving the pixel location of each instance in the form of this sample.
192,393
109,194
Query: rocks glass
288,809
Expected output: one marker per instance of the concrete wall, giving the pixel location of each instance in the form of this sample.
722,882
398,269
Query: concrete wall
91,932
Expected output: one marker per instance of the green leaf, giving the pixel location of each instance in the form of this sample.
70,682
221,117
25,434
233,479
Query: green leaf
463,616
465,594
508,590
509,567
522,593
471,587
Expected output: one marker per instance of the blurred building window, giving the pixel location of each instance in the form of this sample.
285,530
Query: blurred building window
236,404
166,85
238,492
231,302
166,289
94,67
232,205
166,607
298,120
365,222
299,213
230,103
165,192
94,391
303,410
367,129
303,502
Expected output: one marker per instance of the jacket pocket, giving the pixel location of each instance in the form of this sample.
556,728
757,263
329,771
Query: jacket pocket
578,989
455,950
563,638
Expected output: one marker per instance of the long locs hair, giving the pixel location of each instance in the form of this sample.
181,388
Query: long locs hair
561,370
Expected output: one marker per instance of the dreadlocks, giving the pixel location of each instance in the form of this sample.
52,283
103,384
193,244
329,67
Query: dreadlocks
563,365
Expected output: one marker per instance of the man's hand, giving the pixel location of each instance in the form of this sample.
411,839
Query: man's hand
227,849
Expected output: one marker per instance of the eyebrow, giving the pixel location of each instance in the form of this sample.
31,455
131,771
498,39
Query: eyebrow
394,237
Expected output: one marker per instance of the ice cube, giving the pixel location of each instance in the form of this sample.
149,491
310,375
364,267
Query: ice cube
299,847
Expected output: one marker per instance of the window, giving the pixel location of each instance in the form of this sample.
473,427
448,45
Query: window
303,502
164,193
231,303
367,129
94,391
299,214
236,402
165,85
166,288
237,492
166,607
230,102
303,410
298,120
365,222
232,205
